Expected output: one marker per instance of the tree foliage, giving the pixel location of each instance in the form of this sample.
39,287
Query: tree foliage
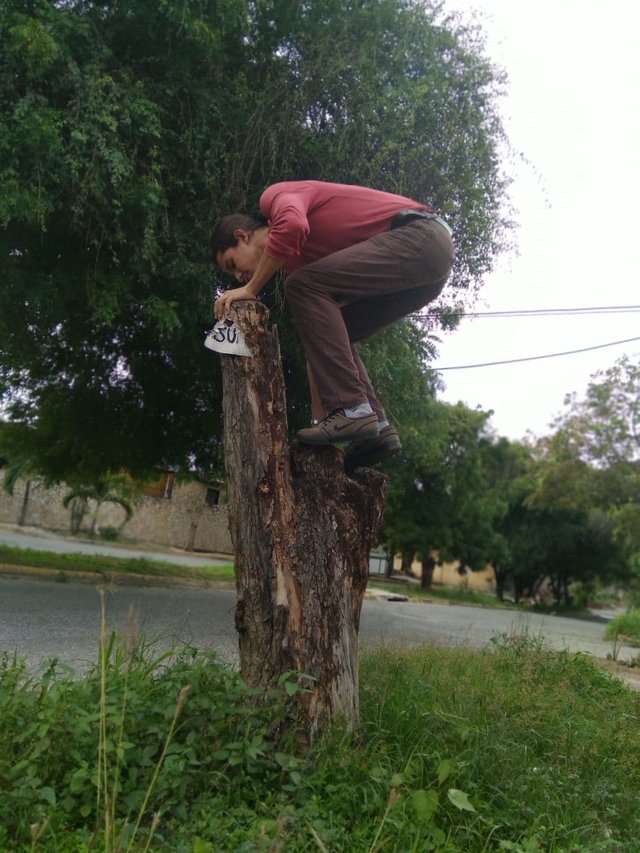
436,506
600,436
571,502
117,489
125,128
550,548
505,465
604,427
539,516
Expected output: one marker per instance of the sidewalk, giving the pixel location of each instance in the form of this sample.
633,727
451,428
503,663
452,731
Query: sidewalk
36,539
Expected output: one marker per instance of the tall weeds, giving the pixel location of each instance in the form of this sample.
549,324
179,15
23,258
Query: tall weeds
116,838
510,749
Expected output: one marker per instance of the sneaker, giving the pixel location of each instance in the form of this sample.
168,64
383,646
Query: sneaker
337,427
372,450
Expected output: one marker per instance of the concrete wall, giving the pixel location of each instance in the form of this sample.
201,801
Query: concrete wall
448,575
183,520
481,581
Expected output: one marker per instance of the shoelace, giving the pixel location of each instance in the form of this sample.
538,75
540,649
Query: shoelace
332,416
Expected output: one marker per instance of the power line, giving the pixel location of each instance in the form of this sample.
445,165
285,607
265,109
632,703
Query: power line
545,312
536,357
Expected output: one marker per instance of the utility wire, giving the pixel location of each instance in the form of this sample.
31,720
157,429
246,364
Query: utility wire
545,312
536,357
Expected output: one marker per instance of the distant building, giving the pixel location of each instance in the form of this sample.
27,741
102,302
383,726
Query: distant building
186,515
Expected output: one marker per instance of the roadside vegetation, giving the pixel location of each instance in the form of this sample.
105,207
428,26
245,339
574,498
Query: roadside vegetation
556,519
443,594
101,565
510,749
625,627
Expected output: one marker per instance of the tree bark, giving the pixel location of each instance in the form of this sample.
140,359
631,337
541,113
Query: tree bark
406,563
428,568
388,568
301,530
500,576
22,520
78,509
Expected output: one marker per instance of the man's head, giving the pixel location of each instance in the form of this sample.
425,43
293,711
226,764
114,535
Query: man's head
237,243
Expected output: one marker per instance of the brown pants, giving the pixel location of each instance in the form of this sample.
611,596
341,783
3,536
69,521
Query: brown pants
357,291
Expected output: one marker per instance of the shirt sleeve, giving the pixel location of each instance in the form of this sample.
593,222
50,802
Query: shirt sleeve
286,209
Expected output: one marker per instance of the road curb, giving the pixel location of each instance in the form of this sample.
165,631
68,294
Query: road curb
133,579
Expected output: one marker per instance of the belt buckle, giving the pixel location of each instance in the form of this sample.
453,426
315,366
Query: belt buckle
403,217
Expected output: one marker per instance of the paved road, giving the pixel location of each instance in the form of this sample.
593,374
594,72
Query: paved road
40,540
41,619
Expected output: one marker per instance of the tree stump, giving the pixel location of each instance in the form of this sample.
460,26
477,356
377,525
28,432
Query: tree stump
301,530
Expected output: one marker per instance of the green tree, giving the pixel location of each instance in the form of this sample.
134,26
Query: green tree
505,464
604,427
560,527
17,465
436,505
626,519
602,433
126,128
558,546
117,489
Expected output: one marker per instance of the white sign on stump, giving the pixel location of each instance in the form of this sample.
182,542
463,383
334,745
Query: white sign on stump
227,338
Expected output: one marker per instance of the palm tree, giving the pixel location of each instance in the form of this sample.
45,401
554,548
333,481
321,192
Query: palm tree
109,488
22,470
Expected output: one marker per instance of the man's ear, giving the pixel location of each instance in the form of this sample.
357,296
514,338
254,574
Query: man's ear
241,235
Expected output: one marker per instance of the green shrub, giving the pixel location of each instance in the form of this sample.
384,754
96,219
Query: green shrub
50,736
514,748
109,534
627,626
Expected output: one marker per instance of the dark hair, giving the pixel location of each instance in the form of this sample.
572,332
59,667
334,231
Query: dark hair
222,232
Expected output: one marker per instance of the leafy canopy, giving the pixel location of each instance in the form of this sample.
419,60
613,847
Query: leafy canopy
126,128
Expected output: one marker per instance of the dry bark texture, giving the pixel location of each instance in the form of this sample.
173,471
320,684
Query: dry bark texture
302,531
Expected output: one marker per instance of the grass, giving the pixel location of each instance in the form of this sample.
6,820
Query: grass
444,594
474,598
625,627
510,749
110,565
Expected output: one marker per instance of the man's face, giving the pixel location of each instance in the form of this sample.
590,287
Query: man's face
241,260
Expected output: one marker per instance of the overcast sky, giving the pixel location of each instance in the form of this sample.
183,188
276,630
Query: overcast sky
572,110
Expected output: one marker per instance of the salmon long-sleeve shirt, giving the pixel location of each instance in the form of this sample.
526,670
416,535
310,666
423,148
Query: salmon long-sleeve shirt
309,220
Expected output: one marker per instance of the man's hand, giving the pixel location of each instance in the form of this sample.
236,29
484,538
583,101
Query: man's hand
223,303
267,266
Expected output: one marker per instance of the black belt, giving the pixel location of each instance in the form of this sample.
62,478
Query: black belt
406,216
